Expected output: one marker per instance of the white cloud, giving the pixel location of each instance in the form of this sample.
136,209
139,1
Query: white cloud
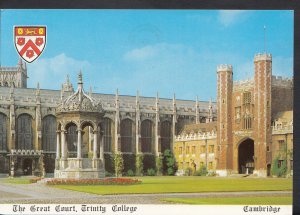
169,67
230,17
151,52
140,54
52,72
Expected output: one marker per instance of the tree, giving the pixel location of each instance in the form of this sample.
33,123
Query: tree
169,163
119,164
159,165
139,164
279,171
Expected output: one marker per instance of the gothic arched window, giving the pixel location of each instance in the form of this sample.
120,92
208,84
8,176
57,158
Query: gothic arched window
71,138
24,132
165,135
49,134
3,133
107,137
126,135
146,136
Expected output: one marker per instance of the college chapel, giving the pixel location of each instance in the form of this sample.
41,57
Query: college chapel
74,134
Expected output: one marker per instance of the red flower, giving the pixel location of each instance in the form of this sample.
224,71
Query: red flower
29,53
39,41
21,41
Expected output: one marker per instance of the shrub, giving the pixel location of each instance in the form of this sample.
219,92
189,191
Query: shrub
171,171
109,174
119,164
159,165
139,164
130,173
279,171
109,163
151,172
188,171
169,163
202,171
211,173
148,162
129,162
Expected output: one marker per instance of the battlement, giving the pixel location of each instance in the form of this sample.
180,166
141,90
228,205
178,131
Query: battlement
243,84
196,136
224,67
282,81
9,69
264,56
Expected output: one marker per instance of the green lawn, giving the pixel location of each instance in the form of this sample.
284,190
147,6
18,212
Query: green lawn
190,184
233,201
16,180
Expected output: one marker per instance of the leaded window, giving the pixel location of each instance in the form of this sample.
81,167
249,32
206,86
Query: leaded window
24,132
3,133
165,135
49,134
126,135
107,137
146,136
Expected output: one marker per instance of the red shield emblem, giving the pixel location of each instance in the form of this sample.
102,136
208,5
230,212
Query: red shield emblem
30,41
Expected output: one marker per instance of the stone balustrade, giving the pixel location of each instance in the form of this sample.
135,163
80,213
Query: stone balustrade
196,136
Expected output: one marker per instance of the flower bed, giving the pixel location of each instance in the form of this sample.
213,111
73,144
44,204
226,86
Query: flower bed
106,181
34,180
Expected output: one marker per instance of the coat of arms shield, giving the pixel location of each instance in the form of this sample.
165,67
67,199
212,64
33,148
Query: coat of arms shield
30,41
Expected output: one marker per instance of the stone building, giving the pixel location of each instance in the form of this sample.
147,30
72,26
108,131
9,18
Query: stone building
35,132
254,125
62,131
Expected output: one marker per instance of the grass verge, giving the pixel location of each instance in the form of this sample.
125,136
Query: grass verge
17,180
171,184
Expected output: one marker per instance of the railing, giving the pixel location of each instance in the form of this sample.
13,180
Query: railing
279,129
196,136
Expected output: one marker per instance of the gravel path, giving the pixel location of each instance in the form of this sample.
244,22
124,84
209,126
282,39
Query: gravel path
42,194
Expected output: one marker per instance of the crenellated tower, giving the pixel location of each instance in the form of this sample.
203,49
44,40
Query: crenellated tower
224,106
262,112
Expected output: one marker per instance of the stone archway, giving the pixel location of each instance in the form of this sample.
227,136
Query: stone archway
269,170
246,156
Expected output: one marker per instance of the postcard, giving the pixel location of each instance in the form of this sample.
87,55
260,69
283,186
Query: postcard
146,111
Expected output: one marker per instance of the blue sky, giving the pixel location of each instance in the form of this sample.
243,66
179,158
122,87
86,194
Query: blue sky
169,51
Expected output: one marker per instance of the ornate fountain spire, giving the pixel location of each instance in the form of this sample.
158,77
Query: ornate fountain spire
80,83
79,101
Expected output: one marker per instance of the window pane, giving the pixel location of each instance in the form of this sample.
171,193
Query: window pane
126,135
49,134
146,136
165,135
3,133
107,137
24,132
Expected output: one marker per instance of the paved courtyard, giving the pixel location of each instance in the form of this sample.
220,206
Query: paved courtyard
40,193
